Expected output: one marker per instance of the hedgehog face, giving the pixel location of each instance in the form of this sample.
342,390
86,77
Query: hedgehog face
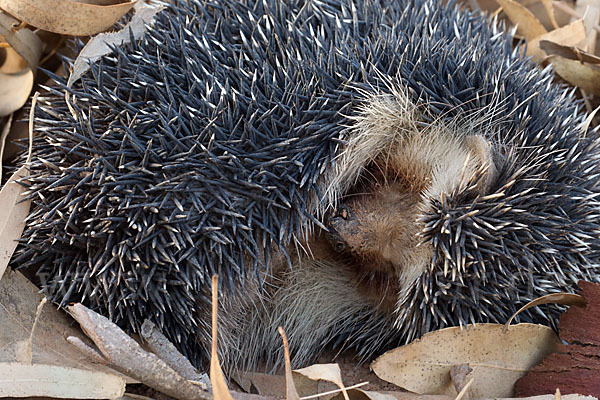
376,227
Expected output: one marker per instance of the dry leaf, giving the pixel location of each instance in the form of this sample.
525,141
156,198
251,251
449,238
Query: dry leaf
358,394
26,43
498,359
327,372
565,299
290,393
13,211
568,35
125,355
19,65
584,76
67,17
3,136
101,44
590,9
219,385
569,52
36,380
575,366
158,343
274,385
550,11
527,24
19,300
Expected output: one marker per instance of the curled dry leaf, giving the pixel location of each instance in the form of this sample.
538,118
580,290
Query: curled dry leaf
565,299
498,359
68,17
19,65
101,44
26,43
547,4
37,380
527,24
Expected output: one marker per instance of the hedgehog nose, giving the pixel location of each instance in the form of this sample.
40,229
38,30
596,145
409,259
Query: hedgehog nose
335,222
341,212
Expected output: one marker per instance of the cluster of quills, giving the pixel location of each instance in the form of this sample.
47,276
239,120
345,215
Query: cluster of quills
211,144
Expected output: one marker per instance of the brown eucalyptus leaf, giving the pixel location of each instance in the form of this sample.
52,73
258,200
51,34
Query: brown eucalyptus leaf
569,35
583,75
13,211
569,52
498,359
527,24
326,372
68,17
39,380
19,301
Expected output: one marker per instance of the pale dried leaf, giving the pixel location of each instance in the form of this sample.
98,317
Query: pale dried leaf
358,394
582,75
568,35
291,393
590,9
37,380
217,380
327,372
498,359
3,136
13,211
550,11
569,52
274,385
527,24
67,17
101,44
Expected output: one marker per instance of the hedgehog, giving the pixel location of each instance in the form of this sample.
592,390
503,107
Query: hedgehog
358,172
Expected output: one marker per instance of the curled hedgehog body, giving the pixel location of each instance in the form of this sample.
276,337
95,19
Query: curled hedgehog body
359,172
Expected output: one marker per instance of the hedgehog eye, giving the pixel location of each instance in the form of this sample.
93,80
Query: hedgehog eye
339,246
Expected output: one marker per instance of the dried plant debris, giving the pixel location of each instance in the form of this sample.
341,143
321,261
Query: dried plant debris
497,358
79,18
578,27
573,367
